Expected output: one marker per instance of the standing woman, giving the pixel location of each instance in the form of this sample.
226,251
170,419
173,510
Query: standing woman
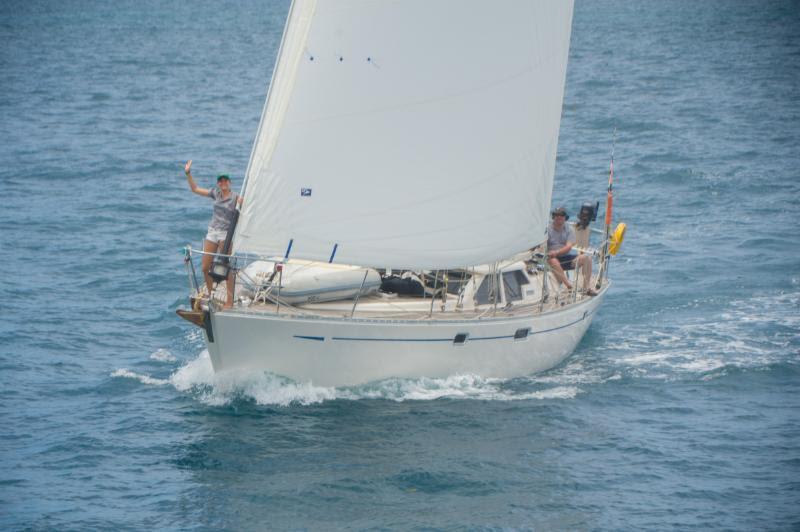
225,202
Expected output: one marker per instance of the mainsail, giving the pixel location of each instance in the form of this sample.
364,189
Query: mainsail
419,134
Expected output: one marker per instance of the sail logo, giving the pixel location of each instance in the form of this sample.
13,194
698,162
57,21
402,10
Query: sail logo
305,192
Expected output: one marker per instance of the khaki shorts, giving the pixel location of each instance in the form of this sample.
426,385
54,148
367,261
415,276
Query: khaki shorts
216,235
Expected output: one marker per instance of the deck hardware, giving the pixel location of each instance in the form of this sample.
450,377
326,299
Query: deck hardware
360,289
207,324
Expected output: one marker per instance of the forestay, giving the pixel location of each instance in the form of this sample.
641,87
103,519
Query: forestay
414,134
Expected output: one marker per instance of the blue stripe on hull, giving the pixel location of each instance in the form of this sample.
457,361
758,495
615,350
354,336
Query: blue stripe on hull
392,339
317,338
469,338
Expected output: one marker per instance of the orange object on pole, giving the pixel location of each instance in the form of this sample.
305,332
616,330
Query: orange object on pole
610,197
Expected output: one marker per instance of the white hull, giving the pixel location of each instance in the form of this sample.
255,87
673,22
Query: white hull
348,351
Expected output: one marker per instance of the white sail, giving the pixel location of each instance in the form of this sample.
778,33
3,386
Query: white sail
413,134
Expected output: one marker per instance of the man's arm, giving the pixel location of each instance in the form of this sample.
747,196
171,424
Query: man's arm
562,251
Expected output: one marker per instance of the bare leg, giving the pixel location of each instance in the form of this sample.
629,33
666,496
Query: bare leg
208,247
212,247
555,265
228,281
585,265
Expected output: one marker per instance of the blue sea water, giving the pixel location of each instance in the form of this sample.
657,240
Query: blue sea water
680,409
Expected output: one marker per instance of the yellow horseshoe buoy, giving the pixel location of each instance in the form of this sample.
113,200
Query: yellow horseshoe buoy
617,238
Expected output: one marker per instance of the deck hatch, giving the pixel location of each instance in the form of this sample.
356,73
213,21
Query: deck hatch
460,339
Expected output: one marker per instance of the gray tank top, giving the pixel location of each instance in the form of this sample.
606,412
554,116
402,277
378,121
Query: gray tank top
223,210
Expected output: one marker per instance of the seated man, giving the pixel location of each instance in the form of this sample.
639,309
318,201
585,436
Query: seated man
560,239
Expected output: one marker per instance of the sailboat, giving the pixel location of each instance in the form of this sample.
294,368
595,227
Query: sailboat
398,187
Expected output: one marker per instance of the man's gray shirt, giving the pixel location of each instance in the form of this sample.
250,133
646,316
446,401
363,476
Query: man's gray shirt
558,239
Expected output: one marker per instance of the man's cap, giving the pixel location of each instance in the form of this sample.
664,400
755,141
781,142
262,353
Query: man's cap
223,176
560,210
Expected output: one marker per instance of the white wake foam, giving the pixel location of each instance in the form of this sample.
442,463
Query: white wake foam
453,387
162,355
198,377
749,333
144,379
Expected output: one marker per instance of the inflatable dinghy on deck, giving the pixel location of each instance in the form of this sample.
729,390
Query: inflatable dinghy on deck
308,282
